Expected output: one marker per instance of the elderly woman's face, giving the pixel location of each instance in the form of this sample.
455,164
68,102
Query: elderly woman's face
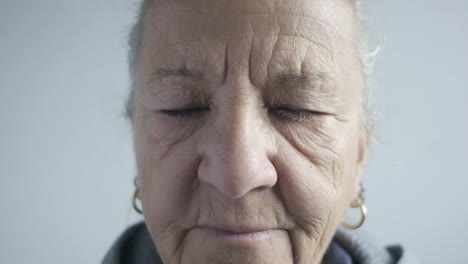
247,128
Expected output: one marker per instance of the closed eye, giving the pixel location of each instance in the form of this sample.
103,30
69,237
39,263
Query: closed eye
285,113
291,114
184,112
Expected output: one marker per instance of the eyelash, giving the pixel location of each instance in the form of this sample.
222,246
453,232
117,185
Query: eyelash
183,113
296,115
285,113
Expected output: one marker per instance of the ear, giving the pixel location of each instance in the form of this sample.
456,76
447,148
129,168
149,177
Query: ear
364,142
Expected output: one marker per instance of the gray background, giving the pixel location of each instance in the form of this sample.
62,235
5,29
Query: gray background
66,164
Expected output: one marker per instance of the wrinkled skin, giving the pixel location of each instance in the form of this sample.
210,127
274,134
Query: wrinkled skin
247,118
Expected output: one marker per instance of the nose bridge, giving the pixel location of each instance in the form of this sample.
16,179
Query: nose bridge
237,158
241,137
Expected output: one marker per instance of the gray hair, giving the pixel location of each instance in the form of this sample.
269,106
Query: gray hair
366,57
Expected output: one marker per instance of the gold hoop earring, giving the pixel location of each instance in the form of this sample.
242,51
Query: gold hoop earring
357,203
136,196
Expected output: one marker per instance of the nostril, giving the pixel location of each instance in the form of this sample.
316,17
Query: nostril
261,188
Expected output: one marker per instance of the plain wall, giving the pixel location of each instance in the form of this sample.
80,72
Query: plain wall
66,159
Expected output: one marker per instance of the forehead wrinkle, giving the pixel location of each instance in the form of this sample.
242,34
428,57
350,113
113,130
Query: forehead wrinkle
177,55
169,23
293,39
290,63
297,29
320,44
169,45
309,28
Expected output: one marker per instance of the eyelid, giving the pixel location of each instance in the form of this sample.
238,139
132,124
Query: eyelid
282,112
293,108
183,112
294,114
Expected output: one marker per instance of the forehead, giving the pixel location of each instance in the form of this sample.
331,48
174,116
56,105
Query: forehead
283,34
176,20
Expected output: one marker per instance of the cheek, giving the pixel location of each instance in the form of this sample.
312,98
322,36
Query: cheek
318,168
324,142
167,164
167,185
156,136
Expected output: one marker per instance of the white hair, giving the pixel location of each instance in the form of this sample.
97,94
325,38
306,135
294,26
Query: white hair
366,57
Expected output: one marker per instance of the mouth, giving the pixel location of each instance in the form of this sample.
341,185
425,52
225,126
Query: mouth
240,235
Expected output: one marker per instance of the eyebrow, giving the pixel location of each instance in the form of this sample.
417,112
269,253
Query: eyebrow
183,72
288,79
300,79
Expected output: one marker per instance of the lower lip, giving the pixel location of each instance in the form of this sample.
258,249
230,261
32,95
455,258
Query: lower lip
240,237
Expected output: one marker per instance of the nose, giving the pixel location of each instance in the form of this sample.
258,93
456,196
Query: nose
237,157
